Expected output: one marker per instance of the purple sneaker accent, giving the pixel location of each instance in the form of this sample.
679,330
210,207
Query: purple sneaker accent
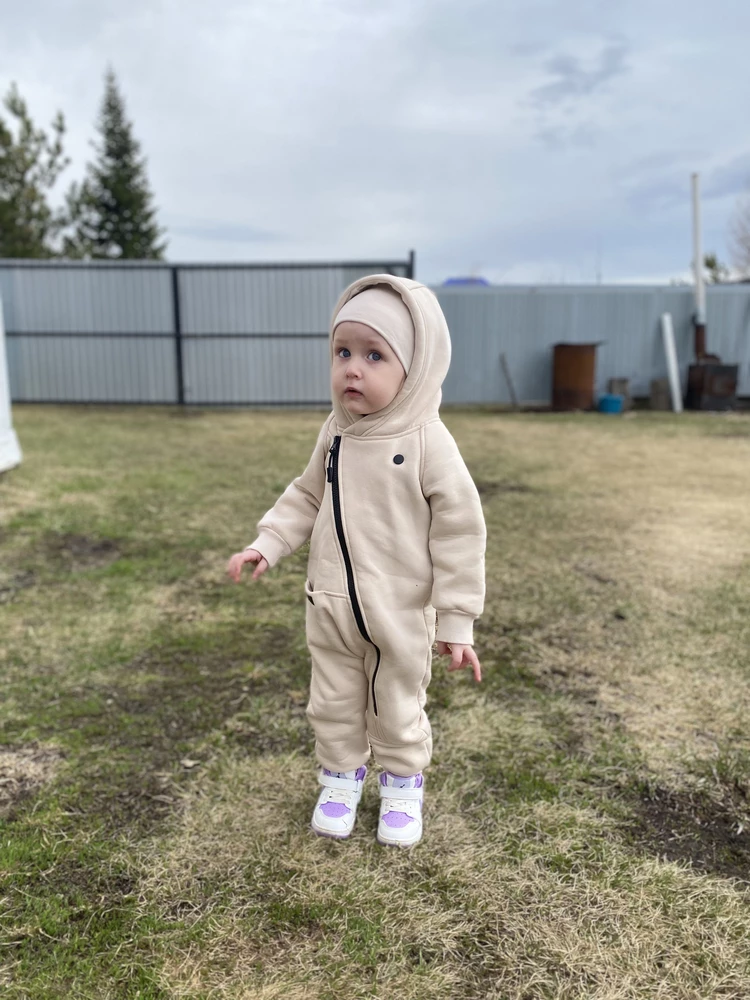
335,809
338,809
337,803
397,819
397,781
359,774
391,818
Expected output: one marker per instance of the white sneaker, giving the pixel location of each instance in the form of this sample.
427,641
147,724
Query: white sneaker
400,822
336,808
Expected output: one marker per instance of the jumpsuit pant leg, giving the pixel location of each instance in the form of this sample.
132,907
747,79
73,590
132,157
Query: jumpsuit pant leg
398,728
360,700
337,707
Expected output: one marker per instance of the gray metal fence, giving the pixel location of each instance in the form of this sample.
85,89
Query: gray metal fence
136,332
524,322
141,332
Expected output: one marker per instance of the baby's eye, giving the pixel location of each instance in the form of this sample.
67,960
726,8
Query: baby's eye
343,349
378,356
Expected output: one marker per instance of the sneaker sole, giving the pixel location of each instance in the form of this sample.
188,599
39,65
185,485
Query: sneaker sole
397,843
327,833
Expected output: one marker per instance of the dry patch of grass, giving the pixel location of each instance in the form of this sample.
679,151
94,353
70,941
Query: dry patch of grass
23,771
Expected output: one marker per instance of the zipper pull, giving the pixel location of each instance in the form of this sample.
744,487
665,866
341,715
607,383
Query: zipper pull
329,470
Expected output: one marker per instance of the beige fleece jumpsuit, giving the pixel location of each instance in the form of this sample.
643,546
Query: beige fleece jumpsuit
396,531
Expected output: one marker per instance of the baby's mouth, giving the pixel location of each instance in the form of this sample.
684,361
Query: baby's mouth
352,392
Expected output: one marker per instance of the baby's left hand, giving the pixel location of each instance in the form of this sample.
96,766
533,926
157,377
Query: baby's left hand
461,656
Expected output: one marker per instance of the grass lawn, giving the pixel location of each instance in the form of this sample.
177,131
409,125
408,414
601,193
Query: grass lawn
587,823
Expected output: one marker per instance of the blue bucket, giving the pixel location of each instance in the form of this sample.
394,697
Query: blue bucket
610,403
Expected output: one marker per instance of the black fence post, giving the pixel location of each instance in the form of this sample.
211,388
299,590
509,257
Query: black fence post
412,264
177,326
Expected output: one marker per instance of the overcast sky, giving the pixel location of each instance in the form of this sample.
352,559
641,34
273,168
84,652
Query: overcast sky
526,140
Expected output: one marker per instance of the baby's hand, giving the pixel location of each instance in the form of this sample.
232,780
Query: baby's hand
461,656
238,560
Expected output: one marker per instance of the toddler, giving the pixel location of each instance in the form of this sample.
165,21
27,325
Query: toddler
397,540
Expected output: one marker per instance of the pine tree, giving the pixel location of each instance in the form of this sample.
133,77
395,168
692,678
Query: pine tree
30,163
113,209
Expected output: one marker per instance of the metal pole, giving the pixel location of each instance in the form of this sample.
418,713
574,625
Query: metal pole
412,264
700,288
10,450
509,380
177,325
673,369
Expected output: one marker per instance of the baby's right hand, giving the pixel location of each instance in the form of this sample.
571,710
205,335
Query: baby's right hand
238,560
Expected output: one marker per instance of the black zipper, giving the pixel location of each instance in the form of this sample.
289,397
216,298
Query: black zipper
332,474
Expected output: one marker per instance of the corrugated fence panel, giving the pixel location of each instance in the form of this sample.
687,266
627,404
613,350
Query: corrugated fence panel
217,303
54,298
728,331
91,369
260,372
259,336
89,334
525,323
237,326
232,300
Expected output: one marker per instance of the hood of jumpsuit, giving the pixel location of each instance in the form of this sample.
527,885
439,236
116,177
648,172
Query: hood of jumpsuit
419,398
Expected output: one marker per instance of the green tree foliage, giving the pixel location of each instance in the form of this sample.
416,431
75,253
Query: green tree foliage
113,209
30,163
716,272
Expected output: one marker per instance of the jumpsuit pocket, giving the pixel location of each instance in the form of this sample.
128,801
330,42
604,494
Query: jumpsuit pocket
329,623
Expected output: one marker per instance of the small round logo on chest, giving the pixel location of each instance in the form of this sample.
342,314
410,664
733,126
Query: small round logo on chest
398,459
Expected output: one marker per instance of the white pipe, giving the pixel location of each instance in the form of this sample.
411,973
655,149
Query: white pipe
672,369
700,288
10,451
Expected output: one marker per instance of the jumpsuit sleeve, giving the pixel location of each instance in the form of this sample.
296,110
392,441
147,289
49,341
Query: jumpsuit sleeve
458,536
289,523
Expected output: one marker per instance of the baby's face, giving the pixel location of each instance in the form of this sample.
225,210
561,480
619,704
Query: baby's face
366,374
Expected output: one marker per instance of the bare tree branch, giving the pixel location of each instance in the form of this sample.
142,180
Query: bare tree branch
739,238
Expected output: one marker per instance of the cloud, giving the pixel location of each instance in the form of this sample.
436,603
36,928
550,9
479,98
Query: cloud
570,109
572,80
559,136
730,178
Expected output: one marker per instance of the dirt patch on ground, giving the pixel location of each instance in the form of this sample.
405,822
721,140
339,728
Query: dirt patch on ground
185,694
489,488
156,721
671,823
23,769
676,825
136,799
83,552
691,828
13,585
